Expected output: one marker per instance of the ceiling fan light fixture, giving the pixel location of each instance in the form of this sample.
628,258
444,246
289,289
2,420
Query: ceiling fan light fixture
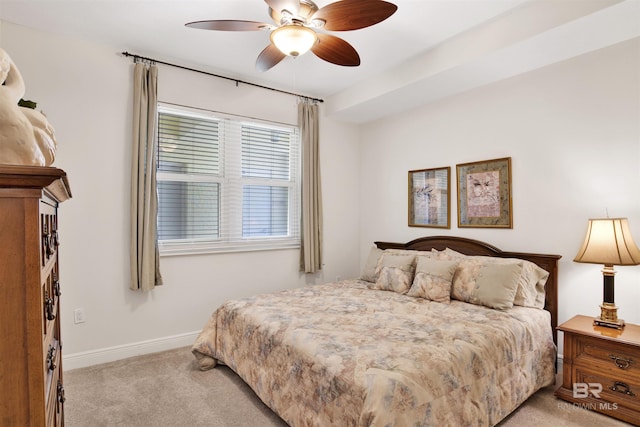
294,40
296,24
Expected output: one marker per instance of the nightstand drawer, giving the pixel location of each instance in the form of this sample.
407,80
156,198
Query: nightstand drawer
618,390
611,356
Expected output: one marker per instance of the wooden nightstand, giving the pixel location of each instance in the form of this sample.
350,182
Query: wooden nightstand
601,368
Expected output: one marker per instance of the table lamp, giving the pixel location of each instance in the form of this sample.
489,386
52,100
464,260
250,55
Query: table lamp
609,242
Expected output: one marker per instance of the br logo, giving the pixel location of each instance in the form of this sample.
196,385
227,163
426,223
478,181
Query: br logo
582,390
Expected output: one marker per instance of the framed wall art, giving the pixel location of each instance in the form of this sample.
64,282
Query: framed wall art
484,194
429,197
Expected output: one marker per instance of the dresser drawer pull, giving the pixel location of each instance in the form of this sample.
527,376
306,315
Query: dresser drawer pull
620,362
61,398
47,241
51,358
56,285
621,387
55,239
48,306
45,238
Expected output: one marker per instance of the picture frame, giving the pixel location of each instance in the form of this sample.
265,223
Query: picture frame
484,194
430,197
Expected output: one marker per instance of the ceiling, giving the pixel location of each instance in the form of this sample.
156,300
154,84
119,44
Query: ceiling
427,50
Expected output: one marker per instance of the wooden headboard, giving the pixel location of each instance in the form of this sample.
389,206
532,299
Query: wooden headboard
476,247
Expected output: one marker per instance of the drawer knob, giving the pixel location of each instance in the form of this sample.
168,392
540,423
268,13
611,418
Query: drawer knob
621,387
621,362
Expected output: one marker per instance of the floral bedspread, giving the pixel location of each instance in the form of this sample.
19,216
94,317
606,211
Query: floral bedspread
344,355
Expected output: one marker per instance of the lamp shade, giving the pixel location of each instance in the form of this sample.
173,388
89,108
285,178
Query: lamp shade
609,242
294,40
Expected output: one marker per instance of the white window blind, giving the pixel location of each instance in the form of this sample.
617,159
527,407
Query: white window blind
226,183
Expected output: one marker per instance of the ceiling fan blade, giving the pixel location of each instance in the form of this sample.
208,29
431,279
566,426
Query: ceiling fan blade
269,57
228,25
346,15
335,50
280,5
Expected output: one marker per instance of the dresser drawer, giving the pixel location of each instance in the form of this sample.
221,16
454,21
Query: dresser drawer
610,356
619,390
54,389
52,374
51,361
55,400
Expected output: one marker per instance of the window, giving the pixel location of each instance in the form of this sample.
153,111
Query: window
225,183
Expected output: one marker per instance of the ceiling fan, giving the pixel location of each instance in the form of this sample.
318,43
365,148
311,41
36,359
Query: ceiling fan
297,22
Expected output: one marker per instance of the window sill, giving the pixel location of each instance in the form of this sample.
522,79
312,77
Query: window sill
195,248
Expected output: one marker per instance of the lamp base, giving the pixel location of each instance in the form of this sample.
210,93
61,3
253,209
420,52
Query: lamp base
619,324
609,316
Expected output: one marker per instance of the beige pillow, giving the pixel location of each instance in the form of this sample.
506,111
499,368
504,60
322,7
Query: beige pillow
450,252
530,291
408,252
369,271
395,273
531,286
433,279
486,283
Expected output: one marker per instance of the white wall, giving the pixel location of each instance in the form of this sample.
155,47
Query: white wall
85,90
573,133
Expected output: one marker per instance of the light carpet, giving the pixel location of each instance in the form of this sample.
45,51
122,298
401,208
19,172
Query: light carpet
167,389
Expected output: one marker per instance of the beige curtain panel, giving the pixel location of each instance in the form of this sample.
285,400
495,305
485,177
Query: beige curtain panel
145,260
311,230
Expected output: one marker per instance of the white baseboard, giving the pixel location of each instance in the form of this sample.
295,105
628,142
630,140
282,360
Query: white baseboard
111,354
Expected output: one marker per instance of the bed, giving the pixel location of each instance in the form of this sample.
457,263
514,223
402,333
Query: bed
428,335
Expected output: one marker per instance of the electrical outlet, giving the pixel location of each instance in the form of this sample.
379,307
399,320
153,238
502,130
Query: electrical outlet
78,315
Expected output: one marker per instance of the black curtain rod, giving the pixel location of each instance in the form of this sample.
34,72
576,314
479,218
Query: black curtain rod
134,56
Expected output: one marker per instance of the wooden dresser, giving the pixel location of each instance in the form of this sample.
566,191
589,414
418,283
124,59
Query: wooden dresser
601,368
31,388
